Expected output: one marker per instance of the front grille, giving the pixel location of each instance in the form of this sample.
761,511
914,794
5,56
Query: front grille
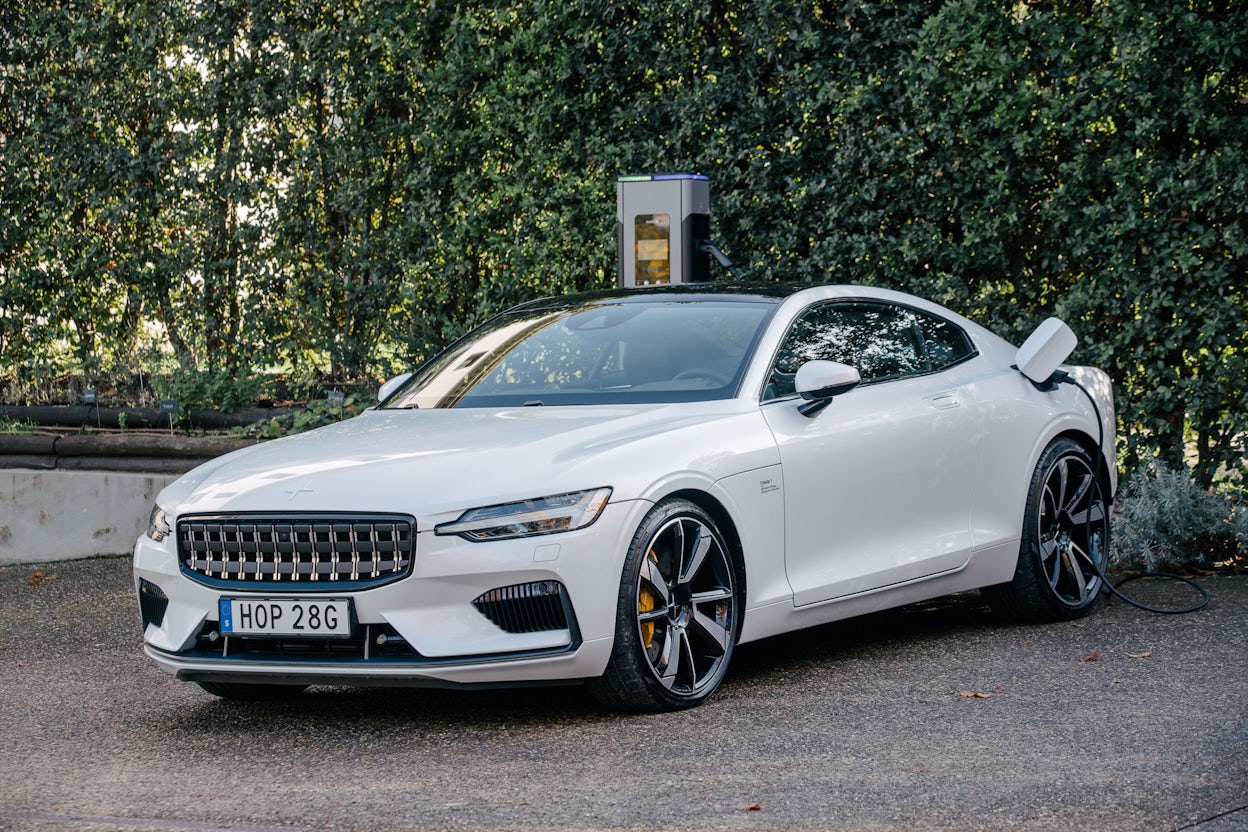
526,608
330,552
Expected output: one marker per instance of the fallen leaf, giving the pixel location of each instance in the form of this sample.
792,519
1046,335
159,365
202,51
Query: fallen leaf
36,578
1079,624
1093,657
757,807
974,694
1143,655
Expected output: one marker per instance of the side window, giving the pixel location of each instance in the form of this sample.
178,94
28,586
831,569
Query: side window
946,343
882,341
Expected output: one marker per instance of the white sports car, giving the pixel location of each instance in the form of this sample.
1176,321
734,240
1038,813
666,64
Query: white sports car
617,488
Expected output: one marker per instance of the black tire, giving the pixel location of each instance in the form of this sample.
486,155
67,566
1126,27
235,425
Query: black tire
249,692
678,616
1065,540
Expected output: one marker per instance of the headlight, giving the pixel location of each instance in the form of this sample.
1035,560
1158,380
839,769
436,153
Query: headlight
527,518
158,527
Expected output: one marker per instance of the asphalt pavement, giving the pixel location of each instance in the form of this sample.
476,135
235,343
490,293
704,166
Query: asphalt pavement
934,717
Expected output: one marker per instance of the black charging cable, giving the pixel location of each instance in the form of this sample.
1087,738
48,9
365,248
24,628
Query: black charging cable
707,247
1063,377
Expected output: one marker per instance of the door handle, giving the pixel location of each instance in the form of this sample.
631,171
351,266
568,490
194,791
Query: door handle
944,401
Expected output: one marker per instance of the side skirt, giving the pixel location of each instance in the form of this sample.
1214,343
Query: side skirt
986,567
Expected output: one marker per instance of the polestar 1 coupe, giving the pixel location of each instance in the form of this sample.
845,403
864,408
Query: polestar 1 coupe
617,488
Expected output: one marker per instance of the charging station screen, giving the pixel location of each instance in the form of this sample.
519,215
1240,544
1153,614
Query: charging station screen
652,249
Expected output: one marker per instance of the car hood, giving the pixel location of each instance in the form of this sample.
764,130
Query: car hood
431,461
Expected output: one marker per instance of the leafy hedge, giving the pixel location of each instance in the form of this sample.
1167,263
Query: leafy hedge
338,186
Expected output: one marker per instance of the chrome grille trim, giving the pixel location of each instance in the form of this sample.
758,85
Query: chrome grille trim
332,551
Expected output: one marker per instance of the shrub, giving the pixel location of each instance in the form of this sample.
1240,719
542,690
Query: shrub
209,390
1167,522
316,414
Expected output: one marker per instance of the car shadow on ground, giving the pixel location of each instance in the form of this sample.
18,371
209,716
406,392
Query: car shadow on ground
937,619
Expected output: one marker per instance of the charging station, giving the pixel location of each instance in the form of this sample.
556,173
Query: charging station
663,225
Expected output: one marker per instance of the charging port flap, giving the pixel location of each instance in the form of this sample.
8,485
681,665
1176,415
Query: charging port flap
1045,349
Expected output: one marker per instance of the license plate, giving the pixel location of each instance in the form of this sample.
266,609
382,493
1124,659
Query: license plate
313,617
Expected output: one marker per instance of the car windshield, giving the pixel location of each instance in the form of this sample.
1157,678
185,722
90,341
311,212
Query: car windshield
615,351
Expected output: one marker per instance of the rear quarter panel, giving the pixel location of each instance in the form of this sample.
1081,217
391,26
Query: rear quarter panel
1019,423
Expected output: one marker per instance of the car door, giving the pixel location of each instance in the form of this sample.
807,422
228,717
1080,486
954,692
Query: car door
878,485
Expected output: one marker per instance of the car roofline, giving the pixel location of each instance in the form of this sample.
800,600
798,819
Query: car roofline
741,292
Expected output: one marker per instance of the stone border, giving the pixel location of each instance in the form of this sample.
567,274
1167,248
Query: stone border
124,452
48,516
92,416
74,495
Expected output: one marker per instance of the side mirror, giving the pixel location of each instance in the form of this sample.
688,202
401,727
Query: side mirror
1047,347
392,385
818,381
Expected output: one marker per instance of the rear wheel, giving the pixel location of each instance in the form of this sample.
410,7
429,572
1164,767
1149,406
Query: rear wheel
678,614
247,692
1065,542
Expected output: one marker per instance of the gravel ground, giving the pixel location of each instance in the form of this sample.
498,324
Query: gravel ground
933,717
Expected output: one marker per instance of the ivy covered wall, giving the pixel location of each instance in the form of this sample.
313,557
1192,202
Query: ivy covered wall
339,186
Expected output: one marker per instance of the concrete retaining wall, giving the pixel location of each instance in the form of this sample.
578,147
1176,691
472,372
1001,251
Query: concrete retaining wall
58,515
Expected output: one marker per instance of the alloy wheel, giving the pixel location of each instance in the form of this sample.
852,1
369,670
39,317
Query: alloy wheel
1073,531
686,606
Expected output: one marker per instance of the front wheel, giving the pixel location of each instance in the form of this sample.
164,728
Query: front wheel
1065,542
678,614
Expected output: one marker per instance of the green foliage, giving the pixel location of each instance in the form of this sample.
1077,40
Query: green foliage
210,390
18,426
336,189
1165,521
316,414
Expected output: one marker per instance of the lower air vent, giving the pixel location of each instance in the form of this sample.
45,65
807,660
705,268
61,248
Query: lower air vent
526,608
152,603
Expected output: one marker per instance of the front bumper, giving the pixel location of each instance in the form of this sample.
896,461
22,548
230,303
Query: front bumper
420,630
586,661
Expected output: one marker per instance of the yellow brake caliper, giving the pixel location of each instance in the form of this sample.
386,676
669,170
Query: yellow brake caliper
645,603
